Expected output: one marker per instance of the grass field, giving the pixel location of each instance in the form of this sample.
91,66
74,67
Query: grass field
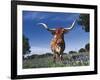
43,61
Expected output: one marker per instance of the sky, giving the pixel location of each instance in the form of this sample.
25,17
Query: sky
40,38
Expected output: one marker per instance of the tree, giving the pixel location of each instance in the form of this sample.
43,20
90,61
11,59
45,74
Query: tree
82,50
84,20
87,47
26,46
71,52
48,54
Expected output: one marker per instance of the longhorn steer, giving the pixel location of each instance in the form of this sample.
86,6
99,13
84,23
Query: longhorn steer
58,43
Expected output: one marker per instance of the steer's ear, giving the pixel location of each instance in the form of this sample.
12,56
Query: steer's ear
53,32
66,31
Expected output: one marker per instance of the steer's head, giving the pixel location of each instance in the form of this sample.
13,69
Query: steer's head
58,31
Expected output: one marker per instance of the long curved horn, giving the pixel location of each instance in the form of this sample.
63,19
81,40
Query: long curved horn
46,27
71,26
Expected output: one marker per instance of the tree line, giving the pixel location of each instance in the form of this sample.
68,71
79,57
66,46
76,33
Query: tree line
85,49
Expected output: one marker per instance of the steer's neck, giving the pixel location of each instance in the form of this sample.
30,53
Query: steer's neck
56,38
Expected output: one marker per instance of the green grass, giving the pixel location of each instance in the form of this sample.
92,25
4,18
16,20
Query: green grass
47,61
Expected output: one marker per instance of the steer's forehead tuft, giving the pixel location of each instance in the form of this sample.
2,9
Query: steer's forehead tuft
59,30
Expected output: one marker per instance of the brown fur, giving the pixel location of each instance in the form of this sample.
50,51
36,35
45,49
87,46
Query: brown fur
58,44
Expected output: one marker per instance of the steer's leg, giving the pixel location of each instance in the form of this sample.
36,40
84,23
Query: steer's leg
58,56
54,58
61,57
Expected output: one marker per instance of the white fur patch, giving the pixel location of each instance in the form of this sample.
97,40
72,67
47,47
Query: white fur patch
58,49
